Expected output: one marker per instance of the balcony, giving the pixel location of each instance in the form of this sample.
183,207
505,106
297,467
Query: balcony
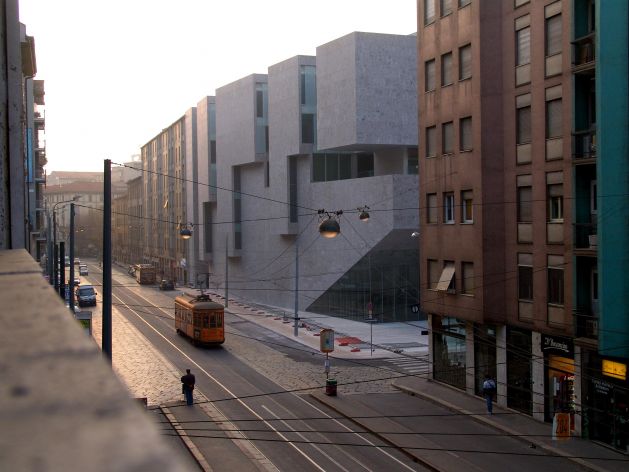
585,239
584,146
586,320
584,55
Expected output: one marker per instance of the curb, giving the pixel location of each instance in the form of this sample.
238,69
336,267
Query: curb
499,427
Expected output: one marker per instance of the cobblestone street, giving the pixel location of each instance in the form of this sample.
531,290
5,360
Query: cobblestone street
147,373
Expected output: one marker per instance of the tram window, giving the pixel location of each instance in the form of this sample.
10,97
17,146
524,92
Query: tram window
212,321
206,323
219,321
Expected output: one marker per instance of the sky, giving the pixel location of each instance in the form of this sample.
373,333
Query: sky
117,72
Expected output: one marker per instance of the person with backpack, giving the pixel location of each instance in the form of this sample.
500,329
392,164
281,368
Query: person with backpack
187,386
489,390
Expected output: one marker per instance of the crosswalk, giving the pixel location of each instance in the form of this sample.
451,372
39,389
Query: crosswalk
414,364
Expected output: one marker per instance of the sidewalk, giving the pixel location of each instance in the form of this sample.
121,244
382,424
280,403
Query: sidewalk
510,422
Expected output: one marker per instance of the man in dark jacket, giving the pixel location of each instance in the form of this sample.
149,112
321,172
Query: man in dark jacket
187,385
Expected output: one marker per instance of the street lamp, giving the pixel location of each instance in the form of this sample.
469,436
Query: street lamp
57,264
185,231
364,213
329,226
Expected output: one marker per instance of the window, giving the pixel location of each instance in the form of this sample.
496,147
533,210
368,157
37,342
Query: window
523,125
448,207
467,278
237,202
292,189
340,166
555,202
467,206
447,77
447,281
429,11
446,7
430,75
553,35
525,204
207,227
465,62
431,141
433,274
554,119
525,277
523,46
307,128
412,161
259,103
465,133
364,165
463,3
447,138
431,208
555,280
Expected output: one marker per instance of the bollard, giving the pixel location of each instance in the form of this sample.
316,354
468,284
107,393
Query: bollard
330,387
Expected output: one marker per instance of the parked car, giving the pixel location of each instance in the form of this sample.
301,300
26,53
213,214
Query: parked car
166,284
77,281
83,270
86,295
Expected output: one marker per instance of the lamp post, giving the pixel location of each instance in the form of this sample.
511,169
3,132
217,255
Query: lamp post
58,265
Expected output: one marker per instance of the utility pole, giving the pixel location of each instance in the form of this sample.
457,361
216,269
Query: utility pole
62,270
71,281
296,325
106,336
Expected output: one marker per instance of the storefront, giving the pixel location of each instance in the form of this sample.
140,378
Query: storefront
519,375
559,377
449,350
606,400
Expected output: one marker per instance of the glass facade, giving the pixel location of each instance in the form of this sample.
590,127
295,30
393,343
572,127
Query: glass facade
449,350
341,166
387,278
519,381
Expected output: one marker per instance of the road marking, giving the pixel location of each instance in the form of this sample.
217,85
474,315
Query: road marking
357,434
327,456
229,392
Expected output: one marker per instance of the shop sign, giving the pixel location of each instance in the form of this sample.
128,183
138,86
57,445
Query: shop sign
613,369
601,386
557,345
561,426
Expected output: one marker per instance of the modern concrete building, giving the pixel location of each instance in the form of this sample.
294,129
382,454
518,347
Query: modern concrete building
509,203
335,132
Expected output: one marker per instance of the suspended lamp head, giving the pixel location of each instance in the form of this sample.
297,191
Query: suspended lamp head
185,232
329,226
364,214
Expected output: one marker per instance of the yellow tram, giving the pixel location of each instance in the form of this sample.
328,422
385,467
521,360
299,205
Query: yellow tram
200,319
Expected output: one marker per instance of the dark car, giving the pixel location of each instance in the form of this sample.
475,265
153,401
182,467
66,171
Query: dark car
86,295
166,284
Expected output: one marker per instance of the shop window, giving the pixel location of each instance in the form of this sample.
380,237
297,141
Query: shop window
449,349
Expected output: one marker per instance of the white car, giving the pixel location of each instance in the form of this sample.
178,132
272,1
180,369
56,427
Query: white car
83,270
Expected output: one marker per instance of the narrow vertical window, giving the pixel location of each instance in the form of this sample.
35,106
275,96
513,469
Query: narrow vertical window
434,272
467,206
554,119
447,138
446,7
447,76
465,62
448,207
431,208
555,203
523,125
430,75
523,46
429,11
431,141
525,277
467,278
553,35
292,189
465,134
555,280
525,204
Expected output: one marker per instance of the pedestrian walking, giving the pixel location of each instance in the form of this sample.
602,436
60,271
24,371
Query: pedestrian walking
187,386
489,390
